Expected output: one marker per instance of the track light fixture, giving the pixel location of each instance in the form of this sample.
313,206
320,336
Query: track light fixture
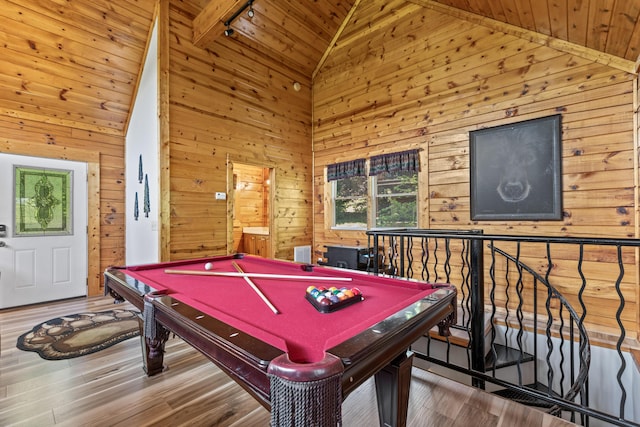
251,13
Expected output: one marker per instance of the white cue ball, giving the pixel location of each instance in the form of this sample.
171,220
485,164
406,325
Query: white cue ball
208,266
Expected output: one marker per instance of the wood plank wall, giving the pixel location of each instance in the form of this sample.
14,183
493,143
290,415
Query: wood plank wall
230,102
105,157
66,93
403,76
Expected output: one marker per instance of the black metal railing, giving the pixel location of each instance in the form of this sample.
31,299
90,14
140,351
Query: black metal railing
532,304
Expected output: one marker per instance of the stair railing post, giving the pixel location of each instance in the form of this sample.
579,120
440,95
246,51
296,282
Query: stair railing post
402,239
477,310
376,252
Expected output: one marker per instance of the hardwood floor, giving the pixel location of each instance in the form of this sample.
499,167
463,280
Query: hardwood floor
109,388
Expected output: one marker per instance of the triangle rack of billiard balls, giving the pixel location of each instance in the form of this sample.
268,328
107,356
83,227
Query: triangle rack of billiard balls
327,300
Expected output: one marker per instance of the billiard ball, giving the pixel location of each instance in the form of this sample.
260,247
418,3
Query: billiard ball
208,266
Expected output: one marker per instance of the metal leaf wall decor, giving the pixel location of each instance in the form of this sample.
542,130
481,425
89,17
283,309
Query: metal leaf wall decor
147,203
140,169
136,211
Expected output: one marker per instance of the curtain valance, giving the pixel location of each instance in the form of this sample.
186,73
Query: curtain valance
408,161
346,169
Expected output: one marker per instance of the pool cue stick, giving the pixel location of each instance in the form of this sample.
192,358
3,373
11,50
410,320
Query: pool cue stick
255,288
258,275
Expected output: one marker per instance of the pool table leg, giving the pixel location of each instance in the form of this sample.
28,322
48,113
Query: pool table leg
153,350
392,390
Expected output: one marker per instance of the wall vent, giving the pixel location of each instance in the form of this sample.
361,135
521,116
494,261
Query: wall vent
302,254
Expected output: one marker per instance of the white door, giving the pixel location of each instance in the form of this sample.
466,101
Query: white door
43,248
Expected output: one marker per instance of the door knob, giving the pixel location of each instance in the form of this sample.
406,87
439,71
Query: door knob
2,244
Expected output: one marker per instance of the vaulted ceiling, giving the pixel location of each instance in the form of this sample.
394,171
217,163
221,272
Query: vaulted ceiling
77,62
72,62
609,26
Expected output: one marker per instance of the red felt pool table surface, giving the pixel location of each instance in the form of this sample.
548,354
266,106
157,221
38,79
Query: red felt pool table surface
299,329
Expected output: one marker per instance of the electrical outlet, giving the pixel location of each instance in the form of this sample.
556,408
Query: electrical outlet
220,195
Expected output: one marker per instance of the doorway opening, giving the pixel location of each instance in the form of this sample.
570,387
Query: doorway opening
250,206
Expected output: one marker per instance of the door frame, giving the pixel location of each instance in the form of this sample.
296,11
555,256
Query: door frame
92,159
264,164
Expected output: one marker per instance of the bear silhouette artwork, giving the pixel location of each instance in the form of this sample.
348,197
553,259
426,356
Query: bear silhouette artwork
514,185
514,173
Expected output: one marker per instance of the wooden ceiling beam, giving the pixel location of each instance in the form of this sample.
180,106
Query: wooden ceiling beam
209,24
335,38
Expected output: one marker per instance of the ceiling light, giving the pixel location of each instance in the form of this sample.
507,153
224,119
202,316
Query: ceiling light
249,4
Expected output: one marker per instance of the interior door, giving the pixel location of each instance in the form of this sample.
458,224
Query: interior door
43,248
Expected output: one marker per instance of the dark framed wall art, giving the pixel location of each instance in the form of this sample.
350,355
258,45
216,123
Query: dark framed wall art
515,171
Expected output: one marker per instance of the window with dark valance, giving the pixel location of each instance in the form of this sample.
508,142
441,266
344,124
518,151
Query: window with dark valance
408,161
346,170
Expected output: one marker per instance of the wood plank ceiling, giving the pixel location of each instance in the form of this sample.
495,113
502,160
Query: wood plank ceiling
609,26
74,62
77,62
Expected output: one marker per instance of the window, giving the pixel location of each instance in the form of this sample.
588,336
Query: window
350,202
395,199
391,191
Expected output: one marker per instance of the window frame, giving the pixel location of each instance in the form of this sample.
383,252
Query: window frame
371,197
374,195
333,204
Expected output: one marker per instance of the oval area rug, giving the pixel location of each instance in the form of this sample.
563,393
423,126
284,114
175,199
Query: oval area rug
79,334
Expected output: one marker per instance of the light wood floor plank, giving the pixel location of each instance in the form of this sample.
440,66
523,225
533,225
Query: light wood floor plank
109,388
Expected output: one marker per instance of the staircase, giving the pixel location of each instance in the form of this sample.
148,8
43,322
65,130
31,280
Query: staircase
517,336
509,363
440,355
505,363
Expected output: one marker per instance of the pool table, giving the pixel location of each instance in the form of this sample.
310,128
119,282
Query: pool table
251,317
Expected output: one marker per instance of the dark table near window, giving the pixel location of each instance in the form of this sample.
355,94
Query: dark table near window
351,257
